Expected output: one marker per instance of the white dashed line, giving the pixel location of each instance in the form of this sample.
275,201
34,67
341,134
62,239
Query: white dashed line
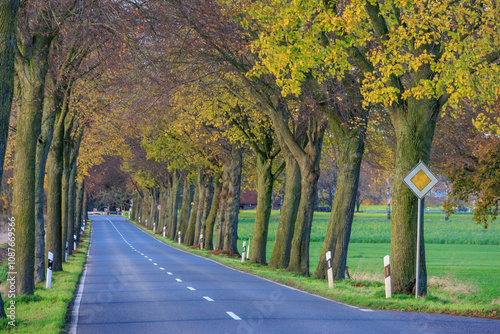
155,264
150,259
161,268
208,298
169,273
178,280
234,316
191,288
365,310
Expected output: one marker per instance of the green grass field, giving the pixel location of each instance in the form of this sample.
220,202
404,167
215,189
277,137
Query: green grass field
463,259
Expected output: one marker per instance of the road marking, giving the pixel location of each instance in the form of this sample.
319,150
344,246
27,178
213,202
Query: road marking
178,280
155,264
161,268
208,298
191,288
234,316
365,310
150,259
169,273
142,253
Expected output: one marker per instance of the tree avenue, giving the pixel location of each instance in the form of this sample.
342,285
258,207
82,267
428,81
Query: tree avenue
174,109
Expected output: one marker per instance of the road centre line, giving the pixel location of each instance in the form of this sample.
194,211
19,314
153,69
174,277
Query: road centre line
178,280
208,298
232,315
191,288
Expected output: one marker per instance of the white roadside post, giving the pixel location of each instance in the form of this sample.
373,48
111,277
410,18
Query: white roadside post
387,268
420,180
66,253
164,231
201,241
48,284
139,219
248,252
329,269
179,237
243,253
74,241
154,226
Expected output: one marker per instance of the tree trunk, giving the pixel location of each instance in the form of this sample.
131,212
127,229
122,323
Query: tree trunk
55,168
191,228
207,205
233,201
221,211
351,146
8,29
71,208
187,193
68,128
85,208
80,189
280,256
210,221
414,133
265,180
31,70
201,206
172,224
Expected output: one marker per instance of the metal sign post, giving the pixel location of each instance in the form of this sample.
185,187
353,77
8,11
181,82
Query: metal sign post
420,180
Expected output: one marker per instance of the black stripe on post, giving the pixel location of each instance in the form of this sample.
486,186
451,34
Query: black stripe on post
49,266
328,264
387,271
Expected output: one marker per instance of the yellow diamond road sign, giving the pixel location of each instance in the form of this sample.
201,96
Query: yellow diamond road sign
420,180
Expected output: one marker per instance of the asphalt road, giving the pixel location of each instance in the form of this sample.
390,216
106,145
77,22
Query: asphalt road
135,284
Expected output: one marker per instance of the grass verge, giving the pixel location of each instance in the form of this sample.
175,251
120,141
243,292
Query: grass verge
46,310
361,293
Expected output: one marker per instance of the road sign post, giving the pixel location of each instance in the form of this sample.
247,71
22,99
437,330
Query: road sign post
243,253
420,180
329,269
387,269
48,284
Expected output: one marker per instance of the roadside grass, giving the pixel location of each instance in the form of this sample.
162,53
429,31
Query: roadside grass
46,310
463,279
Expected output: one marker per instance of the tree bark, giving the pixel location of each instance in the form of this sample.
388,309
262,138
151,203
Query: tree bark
210,221
351,147
8,25
31,69
265,180
172,224
68,128
55,168
280,256
414,134
221,210
187,192
201,206
233,201
207,206
80,189
74,150
191,228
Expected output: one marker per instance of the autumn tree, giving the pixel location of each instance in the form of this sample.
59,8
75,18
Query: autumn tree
415,59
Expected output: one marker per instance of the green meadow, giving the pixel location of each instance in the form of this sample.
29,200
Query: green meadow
463,259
